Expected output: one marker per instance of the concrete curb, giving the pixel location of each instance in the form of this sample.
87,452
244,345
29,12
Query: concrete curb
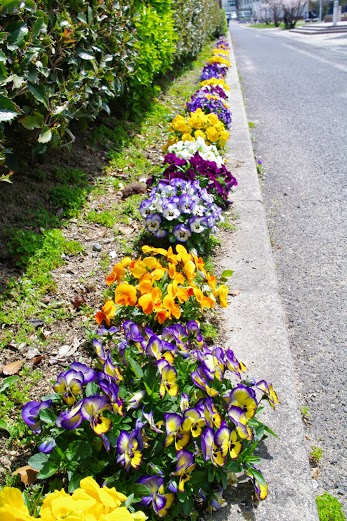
255,321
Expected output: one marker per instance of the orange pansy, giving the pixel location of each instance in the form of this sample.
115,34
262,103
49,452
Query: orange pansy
107,312
169,303
126,295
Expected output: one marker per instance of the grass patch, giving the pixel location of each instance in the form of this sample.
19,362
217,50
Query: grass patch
329,508
266,26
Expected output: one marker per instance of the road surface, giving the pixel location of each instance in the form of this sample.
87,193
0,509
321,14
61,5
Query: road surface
295,90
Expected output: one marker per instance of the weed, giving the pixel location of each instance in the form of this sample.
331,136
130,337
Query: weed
316,454
251,124
260,168
329,508
105,218
71,175
305,412
105,262
209,331
70,198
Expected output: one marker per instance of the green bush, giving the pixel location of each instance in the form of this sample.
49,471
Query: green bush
66,60
196,22
62,62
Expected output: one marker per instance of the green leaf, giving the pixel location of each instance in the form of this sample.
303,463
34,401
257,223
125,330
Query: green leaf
74,482
135,367
91,389
47,416
85,55
138,491
188,505
6,382
226,274
39,93
48,470
30,122
2,57
38,26
8,109
4,426
38,460
267,429
45,136
210,475
257,475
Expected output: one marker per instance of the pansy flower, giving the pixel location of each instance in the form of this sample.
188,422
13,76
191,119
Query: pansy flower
168,375
159,501
69,384
228,441
31,414
128,451
269,392
174,431
70,419
244,398
184,467
193,422
92,409
210,450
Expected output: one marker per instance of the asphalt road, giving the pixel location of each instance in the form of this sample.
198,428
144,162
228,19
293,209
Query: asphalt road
295,89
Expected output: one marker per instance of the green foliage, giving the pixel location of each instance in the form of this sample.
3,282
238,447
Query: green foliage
61,64
196,22
68,63
329,508
316,454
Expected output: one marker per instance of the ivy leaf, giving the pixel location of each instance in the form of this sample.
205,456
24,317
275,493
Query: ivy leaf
8,109
39,93
85,55
30,122
45,136
226,274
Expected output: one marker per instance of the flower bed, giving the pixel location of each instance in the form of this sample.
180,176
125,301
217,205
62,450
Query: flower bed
168,419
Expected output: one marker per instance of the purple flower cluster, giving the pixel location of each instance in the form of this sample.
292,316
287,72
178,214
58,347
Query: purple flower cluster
215,90
210,105
213,70
222,43
180,210
217,181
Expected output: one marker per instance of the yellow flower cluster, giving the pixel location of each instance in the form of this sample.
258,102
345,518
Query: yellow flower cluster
88,503
219,59
198,124
216,81
161,289
221,52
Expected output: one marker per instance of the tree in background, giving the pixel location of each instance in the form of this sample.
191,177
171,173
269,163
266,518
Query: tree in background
292,11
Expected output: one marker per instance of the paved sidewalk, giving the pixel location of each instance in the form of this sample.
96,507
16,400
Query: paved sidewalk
256,322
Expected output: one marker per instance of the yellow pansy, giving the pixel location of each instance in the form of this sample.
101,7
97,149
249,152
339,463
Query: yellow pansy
12,506
212,134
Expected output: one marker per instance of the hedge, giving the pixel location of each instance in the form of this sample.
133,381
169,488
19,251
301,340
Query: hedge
66,60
